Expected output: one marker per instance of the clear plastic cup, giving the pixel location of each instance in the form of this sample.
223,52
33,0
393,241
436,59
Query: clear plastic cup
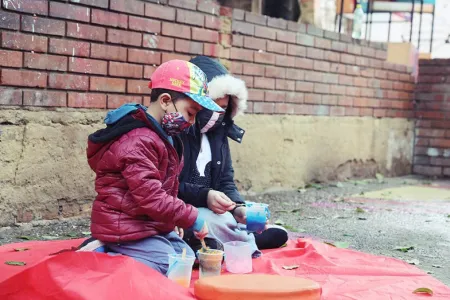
238,257
210,262
180,269
257,215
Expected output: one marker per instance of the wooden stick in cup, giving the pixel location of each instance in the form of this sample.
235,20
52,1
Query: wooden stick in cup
183,254
203,241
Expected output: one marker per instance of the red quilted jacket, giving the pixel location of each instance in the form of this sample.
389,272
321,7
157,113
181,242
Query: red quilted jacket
136,181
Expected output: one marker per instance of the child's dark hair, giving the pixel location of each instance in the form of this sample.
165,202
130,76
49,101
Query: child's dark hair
173,94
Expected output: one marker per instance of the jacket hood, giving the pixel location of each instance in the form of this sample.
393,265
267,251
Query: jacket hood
221,83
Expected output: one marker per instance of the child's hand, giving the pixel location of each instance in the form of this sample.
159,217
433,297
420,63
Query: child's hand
240,214
179,231
219,203
202,233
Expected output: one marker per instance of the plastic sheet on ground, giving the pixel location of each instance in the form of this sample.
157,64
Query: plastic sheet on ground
344,274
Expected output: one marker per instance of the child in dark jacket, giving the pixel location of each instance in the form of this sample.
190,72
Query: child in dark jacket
207,179
137,210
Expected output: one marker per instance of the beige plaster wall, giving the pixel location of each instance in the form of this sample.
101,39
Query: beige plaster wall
44,173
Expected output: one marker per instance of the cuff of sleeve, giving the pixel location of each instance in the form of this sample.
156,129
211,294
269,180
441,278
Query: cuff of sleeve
198,224
203,197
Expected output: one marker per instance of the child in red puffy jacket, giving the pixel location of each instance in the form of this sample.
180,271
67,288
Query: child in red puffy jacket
137,210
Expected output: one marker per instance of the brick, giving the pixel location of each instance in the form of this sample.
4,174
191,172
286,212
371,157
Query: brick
68,82
238,40
366,112
264,83
380,74
96,3
427,170
208,7
315,76
108,52
159,12
313,98
124,37
305,40
277,23
295,97
439,161
302,86
69,11
337,111
331,78
263,108
360,82
421,142
205,35
276,47
243,28
321,88
337,90
188,4
437,133
88,66
338,46
332,35
381,54
134,7
345,101
42,25
9,20
242,54
322,43
286,37
254,43
332,56
87,100
19,41
23,78
170,56
215,50
38,7
286,85
297,27
212,22
322,66
138,87
352,70
45,62
176,30
446,172
286,61
440,143
11,59
361,61
380,113
348,59
265,58
284,108
115,101
236,68
158,42
256,95
274,96
329,99
253,69
345,80
69,47
144,56
355,49
304,63
86,32
148,71
10,96
255,18
353,91
185,46
125,70
352,111
247,79
264,32
313,30
111,19
296,50
190,17
295,74
314,53
44,98
275,72
105,84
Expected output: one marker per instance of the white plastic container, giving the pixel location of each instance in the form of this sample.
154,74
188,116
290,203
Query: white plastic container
238,257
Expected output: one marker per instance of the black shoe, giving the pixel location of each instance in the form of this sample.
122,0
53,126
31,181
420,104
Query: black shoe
271,238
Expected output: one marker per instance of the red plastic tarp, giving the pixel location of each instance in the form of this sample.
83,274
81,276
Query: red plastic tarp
343,273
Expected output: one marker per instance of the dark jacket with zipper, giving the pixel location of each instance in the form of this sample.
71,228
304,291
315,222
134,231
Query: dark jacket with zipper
221,83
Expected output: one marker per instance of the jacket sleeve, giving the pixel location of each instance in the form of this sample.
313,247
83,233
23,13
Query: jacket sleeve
193,194
227,185
139,161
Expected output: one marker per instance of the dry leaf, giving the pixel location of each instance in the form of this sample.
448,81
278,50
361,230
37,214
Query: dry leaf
15,263
423,291
293,267
21,249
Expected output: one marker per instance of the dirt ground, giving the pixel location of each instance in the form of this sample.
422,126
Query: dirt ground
338,212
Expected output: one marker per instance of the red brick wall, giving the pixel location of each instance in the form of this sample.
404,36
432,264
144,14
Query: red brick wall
100,54
432,149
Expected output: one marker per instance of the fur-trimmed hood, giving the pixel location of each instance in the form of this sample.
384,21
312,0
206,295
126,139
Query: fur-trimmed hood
221,83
